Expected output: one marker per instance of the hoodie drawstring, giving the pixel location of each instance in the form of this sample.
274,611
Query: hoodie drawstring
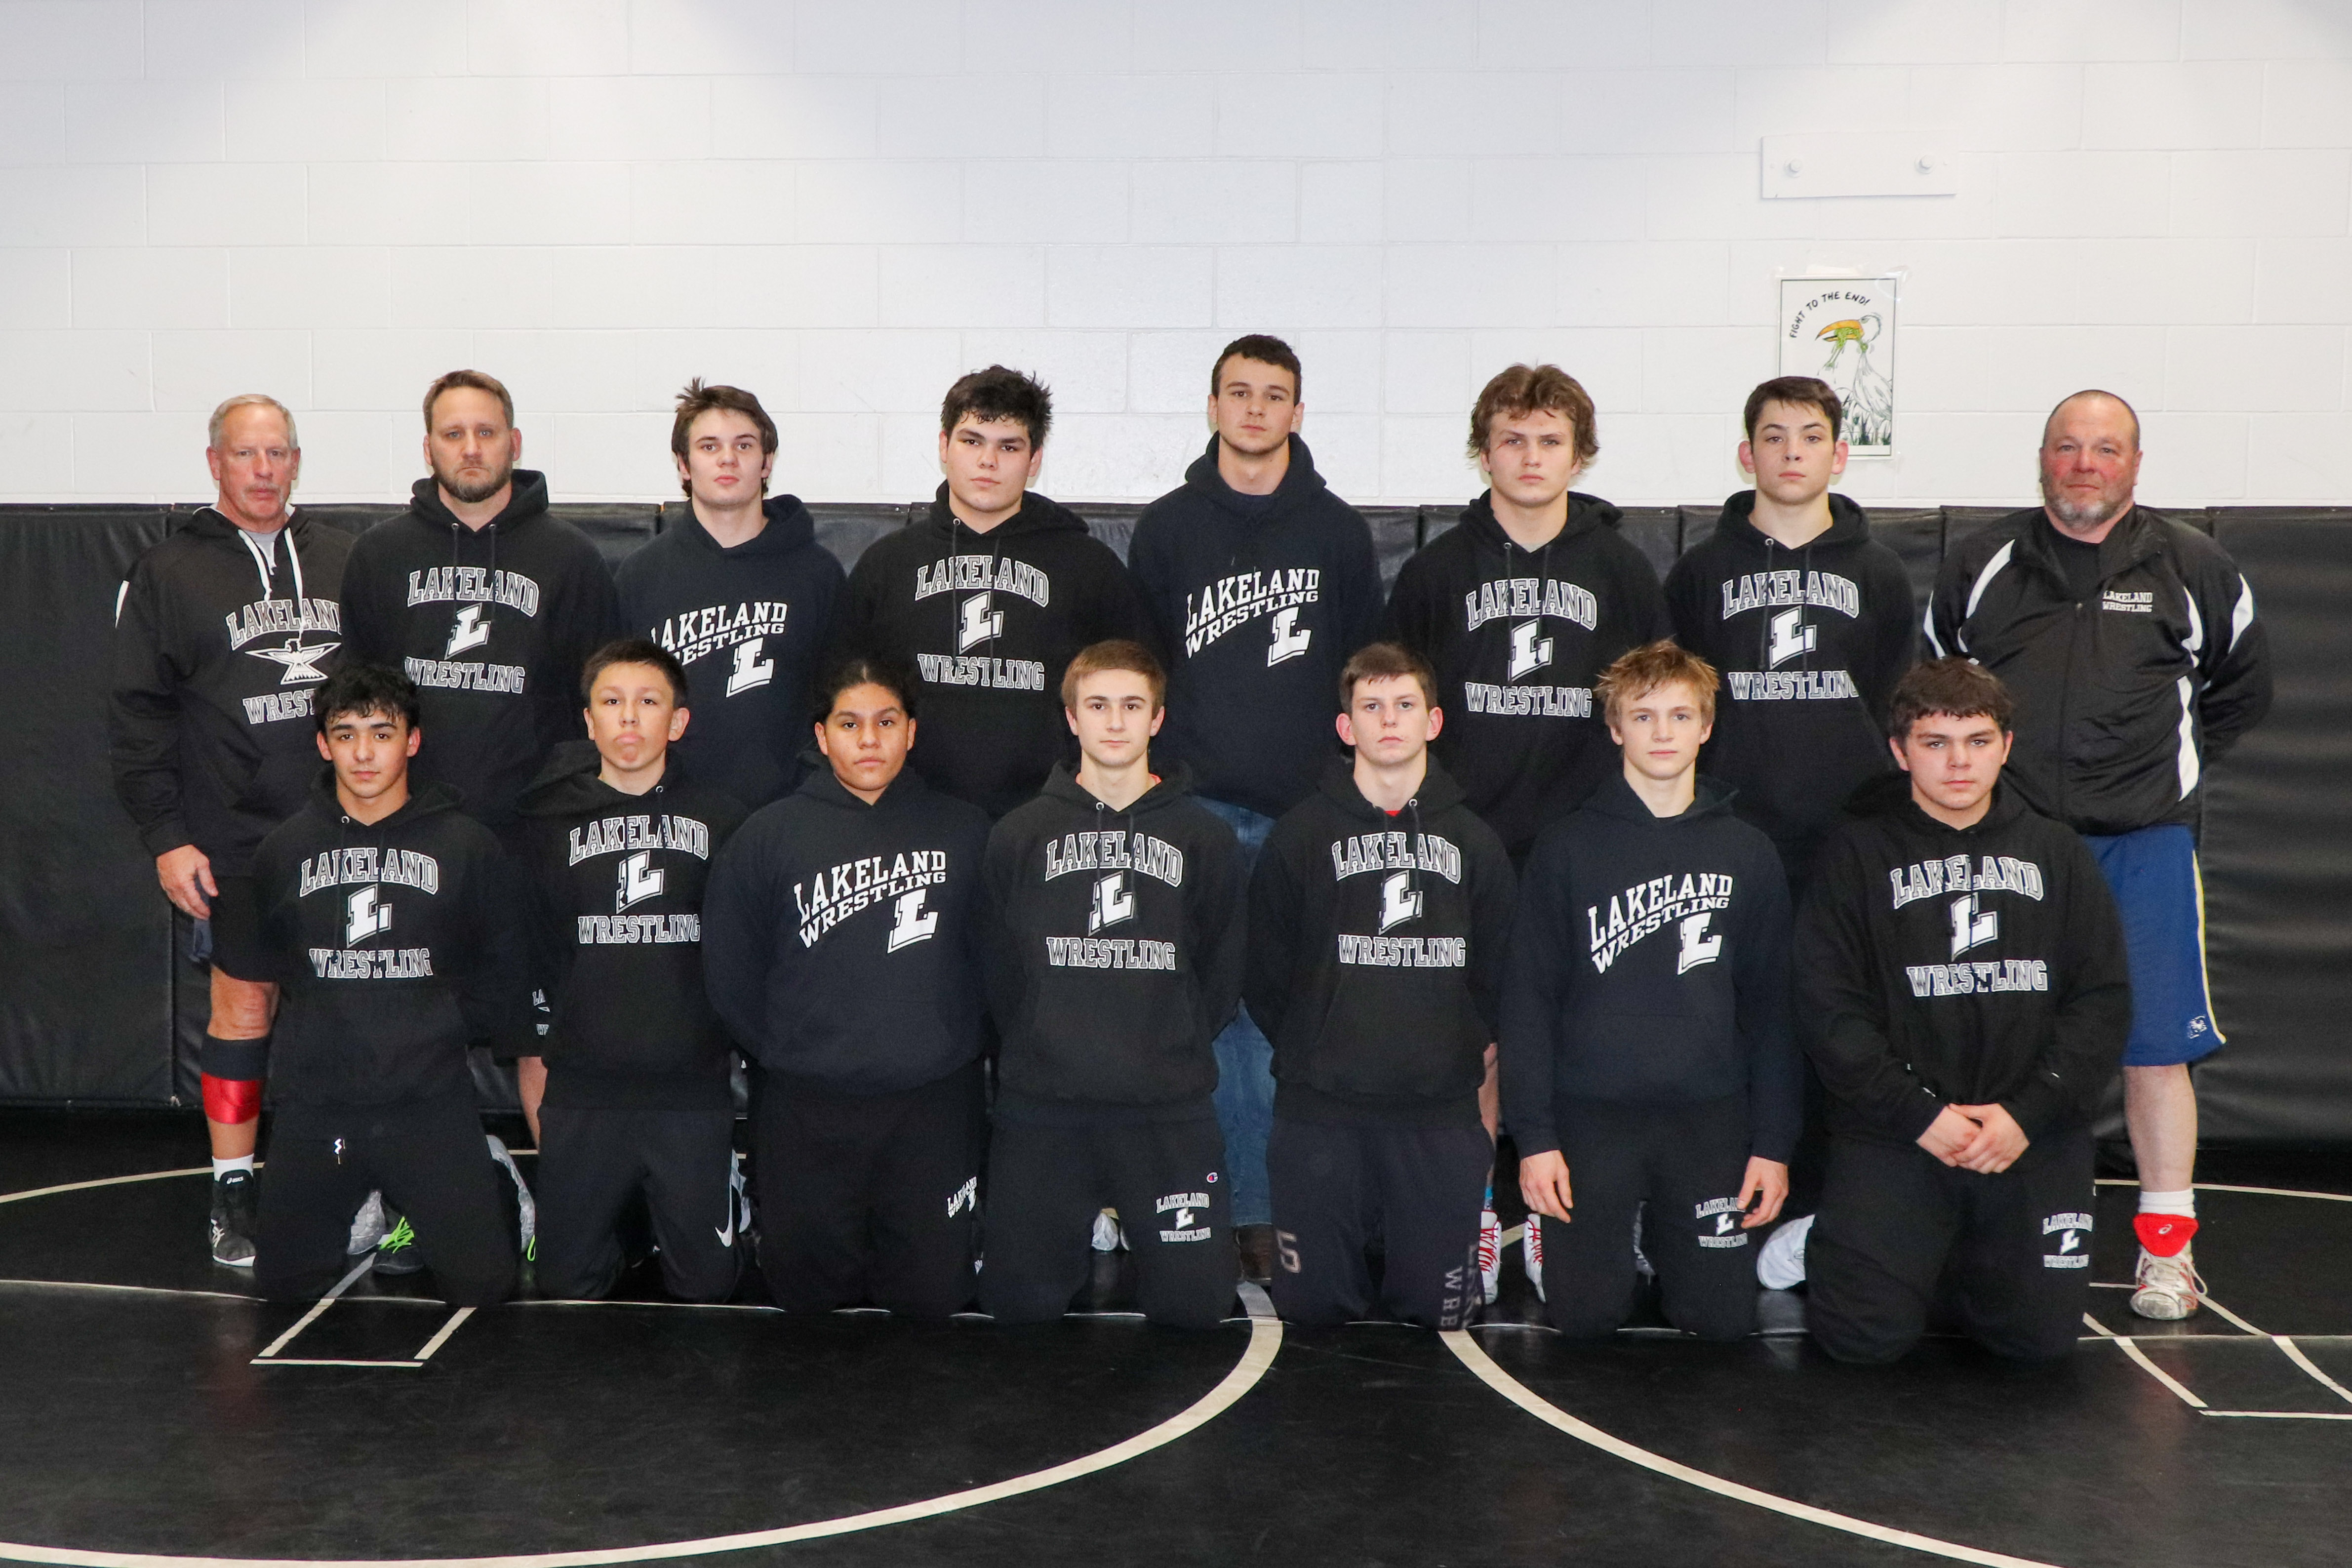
263,558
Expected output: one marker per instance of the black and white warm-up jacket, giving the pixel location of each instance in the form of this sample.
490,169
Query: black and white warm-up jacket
1809,644
1257,608
1942,965
1376,954
219,642
2124,701
494,624
1650,965
841,942
398,942
617,884
988,622
1517,636
1116,945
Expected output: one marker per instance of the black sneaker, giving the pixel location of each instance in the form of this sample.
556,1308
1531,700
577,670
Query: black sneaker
396,1253
233,1224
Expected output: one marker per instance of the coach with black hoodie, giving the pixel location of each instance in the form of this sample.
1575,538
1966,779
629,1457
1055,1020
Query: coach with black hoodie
1966,999
987,595
484,600
840,942
1647,1062
737,589
393,920
1379,916
222,633
1522,605
1115,911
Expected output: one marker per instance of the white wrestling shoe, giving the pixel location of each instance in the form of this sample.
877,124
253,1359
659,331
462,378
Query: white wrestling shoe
2166,1288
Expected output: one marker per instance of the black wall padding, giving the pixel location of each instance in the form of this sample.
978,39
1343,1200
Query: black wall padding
85,933
1917,534
1657,532
844,528
1113,522
1396,534
2277,851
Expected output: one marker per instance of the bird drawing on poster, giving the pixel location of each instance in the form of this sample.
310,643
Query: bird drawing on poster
1869,399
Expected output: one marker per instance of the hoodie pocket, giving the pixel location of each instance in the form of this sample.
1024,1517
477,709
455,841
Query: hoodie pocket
1396,1033
1073,1055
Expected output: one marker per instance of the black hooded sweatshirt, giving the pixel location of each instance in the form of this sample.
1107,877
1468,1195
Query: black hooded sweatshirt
841,940
1810,643
493,624
217,649
750,624
1117,940
1518,638
1258,601
1650,964
989,621
1376,954
617,885
1943,965
399,942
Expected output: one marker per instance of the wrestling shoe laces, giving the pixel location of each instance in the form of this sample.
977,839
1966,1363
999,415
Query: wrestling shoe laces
2166,1288
1490,1253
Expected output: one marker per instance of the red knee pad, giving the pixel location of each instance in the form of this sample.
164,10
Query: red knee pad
2164,1235
232,1101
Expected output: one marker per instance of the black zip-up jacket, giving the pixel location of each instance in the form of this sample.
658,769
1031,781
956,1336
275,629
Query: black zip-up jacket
493,624
989,621
1117,940
750,624
841,940
1518,638
1650,964
1257,609
1810,643
399,942
217,653
2124,701
1960,966
617,885
1376,954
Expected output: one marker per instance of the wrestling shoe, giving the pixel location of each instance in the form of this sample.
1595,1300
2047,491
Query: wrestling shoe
1254,1243
1780,1261
1531,1253
1490,1250
2166,1288
368,1227
526,1210
1108,1237
234,1217
396,1253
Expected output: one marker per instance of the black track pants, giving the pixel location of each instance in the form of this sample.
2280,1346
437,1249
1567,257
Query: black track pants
1166,1179
869,1197
1900,1234
1417,1191
431,1163
1685,1162
592,1160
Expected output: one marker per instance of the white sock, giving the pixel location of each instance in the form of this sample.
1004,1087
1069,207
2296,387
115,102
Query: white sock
242,1162
2182,1203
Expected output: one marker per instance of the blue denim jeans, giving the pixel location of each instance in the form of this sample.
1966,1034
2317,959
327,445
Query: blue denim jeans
1245,1097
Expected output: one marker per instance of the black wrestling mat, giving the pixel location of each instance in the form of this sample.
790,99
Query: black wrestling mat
156,1414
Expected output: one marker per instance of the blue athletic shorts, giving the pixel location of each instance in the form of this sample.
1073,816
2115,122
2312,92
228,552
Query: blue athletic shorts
2161,898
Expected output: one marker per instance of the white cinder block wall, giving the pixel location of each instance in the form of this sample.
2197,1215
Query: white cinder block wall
842,203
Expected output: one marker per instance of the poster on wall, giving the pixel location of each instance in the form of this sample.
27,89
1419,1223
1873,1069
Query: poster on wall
1843,331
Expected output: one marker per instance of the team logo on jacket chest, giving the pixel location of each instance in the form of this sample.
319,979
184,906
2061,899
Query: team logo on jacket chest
1522,598
1231,602
744,627
1790,589
473,585
368,911
903,881
622,834
983,574
1958,874
294,621
1115,850
1687,903
1364,853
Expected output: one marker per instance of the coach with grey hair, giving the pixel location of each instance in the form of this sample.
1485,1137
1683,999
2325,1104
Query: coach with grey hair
223,632
2130,643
